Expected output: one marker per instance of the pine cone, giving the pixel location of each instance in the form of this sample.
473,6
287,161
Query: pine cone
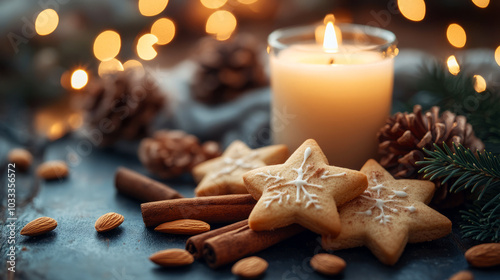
226,69
405,134
171,153
122,106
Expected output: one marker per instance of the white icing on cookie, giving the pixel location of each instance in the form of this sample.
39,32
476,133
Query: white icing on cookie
325,175
232,164
384,203
270,176
301,184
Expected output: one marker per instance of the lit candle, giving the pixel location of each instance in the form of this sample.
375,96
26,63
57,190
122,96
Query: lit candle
337,91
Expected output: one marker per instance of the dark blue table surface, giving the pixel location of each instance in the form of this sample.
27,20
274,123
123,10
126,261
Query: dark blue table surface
74,250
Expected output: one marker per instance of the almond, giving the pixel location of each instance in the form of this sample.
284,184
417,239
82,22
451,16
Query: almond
39,226
108,221
51,170
462,275
328,264
484,255
172,257
250,267
184,226
21,158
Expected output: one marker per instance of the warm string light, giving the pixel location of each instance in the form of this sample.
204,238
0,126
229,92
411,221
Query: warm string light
107,45
453,66
46,22
413,10
481,3
213,4
479,83
56,131
497,55
79,79
145,48
109,67
149,8
221,24
456,35
164,30
135,66
247,2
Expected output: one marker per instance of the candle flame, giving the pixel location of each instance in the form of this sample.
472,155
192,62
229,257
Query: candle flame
479,83
330,43
453,66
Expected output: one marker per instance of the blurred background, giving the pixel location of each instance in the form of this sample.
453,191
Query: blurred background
52,52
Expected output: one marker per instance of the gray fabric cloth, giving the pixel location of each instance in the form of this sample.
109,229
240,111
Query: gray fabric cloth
246,118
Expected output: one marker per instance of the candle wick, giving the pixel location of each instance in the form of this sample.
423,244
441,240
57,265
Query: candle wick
331,61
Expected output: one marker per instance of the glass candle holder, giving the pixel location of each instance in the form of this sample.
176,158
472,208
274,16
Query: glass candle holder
340,97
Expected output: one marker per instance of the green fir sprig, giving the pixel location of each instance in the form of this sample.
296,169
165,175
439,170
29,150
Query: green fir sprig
479,224
478,172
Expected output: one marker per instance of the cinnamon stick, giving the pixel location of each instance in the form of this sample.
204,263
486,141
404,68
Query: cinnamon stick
195,243
140,187
233,245
211,209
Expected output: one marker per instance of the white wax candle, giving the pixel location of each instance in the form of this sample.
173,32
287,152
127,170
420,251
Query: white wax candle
340,105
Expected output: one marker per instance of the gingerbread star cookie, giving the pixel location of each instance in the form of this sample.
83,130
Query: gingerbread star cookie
304,190
388,215
223,175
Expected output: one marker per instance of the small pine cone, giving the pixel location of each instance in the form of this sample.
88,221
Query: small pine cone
122,106
226,69
171,153
405,134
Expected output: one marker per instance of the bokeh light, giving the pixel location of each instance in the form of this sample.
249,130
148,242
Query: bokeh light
109,67
75,120
145,48
151,8
164,30
46,22
213,4
481,3
247,2
135,66
221,24
479,83
497,55
456,35
56,131
412,9
453,66
107,45
79,79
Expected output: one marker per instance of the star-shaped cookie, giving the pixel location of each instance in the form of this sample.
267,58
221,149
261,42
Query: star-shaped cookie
304,190
388,215
223,175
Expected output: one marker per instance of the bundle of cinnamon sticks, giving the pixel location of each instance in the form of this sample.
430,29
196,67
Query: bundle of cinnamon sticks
217,247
